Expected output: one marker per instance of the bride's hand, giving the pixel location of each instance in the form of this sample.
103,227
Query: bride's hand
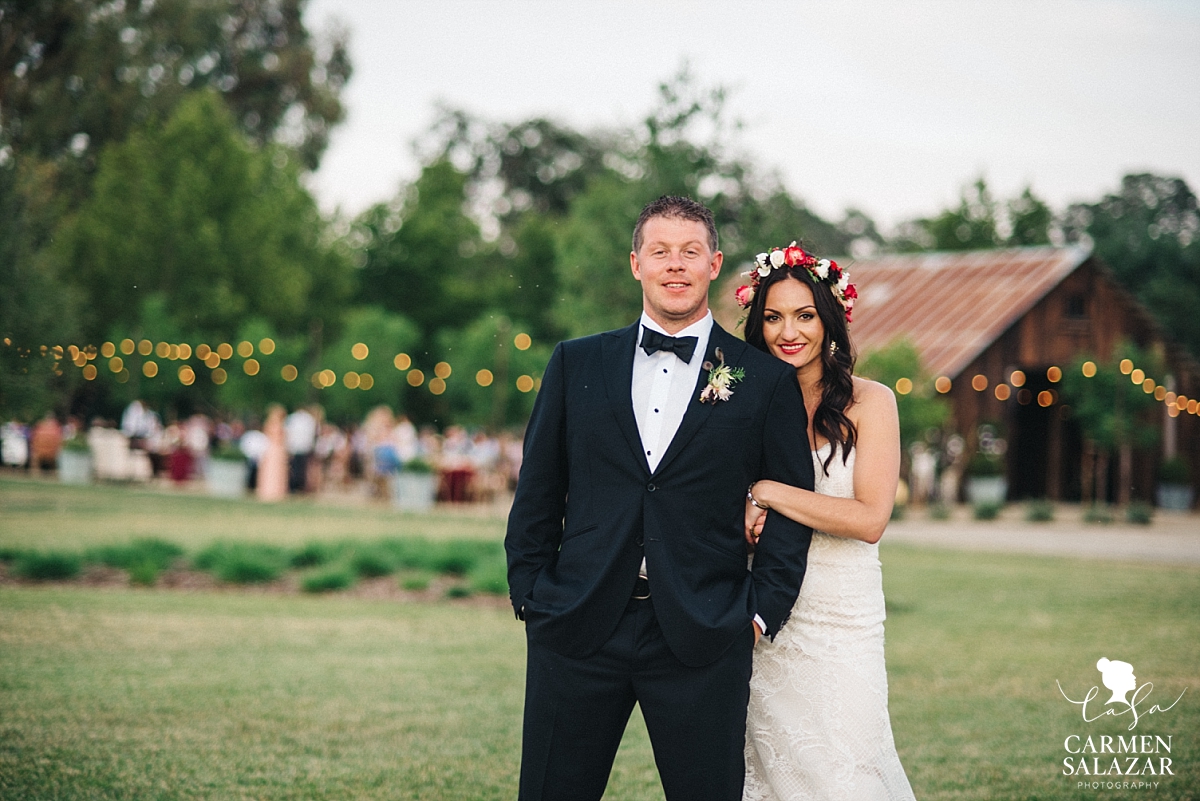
755,519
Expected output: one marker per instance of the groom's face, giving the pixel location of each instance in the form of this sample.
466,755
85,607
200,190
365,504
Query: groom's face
675,266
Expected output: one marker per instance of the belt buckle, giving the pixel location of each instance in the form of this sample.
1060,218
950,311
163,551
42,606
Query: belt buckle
641,588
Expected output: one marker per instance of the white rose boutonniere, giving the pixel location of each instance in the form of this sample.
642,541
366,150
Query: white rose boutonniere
720,378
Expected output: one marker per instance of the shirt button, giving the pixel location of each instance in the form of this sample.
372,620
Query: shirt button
651,487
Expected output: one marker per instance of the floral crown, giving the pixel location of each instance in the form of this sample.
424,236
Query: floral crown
821,270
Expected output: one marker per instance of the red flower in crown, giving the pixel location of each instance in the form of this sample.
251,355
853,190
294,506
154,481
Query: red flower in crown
794,256
851,292
744,294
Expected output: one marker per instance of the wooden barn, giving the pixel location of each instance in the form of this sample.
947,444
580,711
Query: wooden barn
996,329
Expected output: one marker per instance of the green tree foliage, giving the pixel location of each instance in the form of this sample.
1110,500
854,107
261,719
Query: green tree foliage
1148,232
979,223
222,231
922,408
488,344
421,254
77,75
1112,411
386,334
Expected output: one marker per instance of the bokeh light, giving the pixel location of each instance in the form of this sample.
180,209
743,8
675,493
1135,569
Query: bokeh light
522,341
116,364
942,384
366,381
525,383
1054,374
185,351
266,346
904,386
1089,369
979,383
225,350
1045,398
416,378
150,369
437,386
1003,393
251,367
328,378
360,351
107,350
289,372
1017,379
89,372
219,375
187,376
442,370
213,361
128,346
1148,386
162,350
402,361
173,353
1137,376
484,378
202,351
350,380
1024,397
1126,366
1160,392
245,349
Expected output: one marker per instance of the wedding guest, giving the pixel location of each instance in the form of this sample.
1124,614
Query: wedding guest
301,428
253,444
273,464
45,442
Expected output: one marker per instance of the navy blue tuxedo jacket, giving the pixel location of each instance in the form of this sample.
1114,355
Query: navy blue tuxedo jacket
588,508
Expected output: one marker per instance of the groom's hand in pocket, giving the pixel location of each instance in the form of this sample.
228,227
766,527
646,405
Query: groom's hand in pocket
757,631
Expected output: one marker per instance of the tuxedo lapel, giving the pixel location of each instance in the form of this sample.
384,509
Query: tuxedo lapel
616,354
697,413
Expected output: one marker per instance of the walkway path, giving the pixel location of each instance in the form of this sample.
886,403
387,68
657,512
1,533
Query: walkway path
1173,537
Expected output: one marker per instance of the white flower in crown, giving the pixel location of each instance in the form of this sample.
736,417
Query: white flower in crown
776,260
822,269
843,282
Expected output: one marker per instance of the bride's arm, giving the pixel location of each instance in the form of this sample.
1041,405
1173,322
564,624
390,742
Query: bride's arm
876,473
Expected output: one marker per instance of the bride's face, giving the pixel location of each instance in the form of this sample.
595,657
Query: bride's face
791,327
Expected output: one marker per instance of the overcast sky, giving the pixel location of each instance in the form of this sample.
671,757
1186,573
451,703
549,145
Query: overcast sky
888,106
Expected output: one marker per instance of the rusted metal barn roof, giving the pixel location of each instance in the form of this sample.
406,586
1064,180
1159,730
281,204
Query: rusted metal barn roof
952,306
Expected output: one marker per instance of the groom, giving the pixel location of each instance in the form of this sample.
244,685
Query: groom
625,552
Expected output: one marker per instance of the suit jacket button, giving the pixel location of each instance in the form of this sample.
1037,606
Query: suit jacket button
651,487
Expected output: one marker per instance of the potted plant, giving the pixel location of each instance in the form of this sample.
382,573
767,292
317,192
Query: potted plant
226,471
414,487
1174,484
986,479
75,461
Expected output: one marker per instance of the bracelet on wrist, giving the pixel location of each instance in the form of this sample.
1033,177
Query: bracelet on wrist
754,501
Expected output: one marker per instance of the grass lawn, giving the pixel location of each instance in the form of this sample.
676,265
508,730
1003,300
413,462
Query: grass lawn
128,693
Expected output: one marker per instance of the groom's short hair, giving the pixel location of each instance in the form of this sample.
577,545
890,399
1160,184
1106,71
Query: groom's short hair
676,208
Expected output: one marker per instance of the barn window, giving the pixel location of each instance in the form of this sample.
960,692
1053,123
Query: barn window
1077,306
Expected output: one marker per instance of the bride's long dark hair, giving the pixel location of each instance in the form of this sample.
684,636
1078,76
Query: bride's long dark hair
837,357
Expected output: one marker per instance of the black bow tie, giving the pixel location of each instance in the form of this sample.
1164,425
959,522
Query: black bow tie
653,341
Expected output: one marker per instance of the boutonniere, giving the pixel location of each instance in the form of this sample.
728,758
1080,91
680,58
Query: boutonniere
720,379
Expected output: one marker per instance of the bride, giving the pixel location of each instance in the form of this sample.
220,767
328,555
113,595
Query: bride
818,726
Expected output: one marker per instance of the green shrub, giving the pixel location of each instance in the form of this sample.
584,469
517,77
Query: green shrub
1175,471
243,563
987,510
372,562
939,511
144,574
159,553
49,566
313,554
1139,512
1039,511
416,582
490,578
458,591
328,580
459,557
1097,513
408,552
9,555
898,510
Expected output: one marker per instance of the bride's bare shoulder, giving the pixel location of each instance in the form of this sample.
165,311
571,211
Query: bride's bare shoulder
871,396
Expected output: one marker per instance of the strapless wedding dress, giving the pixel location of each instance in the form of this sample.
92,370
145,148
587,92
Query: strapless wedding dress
817,726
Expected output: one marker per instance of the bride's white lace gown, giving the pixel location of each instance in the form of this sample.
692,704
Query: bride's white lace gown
818,725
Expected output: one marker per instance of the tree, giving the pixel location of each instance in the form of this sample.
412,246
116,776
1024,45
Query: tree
77,75
1113,412
1148,232
920,408
191,212
979,223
